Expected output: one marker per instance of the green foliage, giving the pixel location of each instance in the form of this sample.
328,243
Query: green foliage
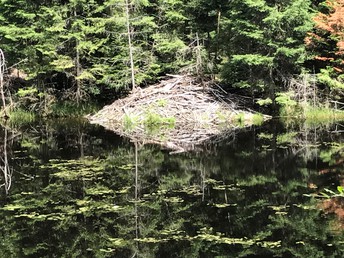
286,138
319,115
253,60
92,47
69,109
285,99
327,77
130,122
151,121
254,45
240,119
162,102
264,102
329,194
24,92
154,122
257,119
265,136
266,43
289,107
21,117
74,196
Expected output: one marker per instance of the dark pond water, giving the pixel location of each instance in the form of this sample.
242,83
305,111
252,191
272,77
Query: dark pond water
73,191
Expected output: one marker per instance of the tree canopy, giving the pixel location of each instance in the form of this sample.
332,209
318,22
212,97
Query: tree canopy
80,49
327,42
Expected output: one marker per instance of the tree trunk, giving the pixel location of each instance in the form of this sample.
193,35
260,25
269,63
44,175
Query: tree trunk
78,68
218,35
130,46
6,168
2,71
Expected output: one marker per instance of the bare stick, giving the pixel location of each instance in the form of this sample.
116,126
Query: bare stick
130,45
78,68
2,71
6,168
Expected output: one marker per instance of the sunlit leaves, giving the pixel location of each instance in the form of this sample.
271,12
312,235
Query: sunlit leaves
265,43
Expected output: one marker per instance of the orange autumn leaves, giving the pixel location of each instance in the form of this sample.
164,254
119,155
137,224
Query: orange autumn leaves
329,28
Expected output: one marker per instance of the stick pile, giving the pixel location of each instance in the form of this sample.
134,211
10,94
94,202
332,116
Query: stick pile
186,112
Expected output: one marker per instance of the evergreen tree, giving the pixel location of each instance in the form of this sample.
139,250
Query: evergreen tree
18,32
260,42
171,35
327,44
265,43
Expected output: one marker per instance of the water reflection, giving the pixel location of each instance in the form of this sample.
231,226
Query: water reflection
80,191
4,164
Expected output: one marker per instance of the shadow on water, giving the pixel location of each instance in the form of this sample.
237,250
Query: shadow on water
70,189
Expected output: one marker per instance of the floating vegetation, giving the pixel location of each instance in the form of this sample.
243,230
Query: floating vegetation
206,235
173,199
191,190
85,168
74,194
98,191
256,180
224,205
118,242
225,187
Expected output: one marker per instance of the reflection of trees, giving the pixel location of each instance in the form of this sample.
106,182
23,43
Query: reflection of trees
109,200
4,164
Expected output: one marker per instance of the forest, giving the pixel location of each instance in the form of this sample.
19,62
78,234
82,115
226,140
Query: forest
171,128
281,54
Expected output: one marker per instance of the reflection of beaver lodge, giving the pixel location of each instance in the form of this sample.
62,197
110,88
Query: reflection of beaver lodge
178,113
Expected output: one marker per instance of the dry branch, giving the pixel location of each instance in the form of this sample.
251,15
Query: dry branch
2,72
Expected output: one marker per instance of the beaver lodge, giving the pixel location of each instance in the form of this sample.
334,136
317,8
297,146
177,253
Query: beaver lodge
179,113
